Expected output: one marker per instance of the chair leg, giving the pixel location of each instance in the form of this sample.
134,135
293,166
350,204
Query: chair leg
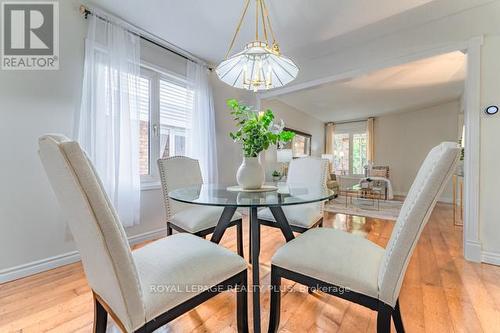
398,321
320,224
100,318
239,239
249,243
169,229
274,316
384,318
242,304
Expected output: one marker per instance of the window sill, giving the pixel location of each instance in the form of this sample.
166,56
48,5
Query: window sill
150,185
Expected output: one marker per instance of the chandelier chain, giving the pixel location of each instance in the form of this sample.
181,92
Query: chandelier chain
269,21
247,3
263,20
257,19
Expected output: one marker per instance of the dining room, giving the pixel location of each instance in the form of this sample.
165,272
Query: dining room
159,174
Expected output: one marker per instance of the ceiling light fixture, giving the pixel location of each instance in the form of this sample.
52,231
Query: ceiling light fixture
260,66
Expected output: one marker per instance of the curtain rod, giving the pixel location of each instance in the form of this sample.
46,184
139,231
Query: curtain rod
144,35
348,121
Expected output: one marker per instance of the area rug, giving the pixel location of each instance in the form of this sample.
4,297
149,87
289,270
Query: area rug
389,209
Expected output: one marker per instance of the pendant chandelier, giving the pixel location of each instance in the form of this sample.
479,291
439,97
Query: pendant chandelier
260,66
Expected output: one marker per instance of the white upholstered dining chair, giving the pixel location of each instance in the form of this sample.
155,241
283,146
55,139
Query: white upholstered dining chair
181,171
144,289
354,268
308,171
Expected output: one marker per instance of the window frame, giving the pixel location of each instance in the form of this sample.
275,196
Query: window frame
351,129
154,74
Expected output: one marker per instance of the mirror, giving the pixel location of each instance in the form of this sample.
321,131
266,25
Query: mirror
300,145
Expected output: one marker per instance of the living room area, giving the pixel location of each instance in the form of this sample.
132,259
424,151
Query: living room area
378,128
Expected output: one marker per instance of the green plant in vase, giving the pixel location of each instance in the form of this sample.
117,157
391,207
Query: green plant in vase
256,132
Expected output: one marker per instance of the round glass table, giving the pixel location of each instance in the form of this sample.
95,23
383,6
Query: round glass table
222,196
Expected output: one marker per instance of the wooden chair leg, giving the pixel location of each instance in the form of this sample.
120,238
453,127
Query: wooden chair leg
398,321
242,305
274,316
169,229
384,318
239,239
249,243
100,317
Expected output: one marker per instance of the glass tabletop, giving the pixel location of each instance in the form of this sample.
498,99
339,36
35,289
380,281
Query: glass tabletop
219,195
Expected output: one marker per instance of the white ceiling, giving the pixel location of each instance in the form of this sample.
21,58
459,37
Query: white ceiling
405,87
205,27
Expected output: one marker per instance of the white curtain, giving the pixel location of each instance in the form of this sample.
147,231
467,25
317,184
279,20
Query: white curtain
201,138
107,126
330,138
370,147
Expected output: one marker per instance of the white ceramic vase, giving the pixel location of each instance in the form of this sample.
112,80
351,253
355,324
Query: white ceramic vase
250,175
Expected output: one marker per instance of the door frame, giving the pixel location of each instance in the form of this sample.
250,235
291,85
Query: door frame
472,121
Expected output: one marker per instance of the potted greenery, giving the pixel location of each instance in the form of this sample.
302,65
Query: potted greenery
256,132
276,176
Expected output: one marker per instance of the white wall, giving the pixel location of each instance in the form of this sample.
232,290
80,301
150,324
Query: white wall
403,139
490,150
33,103
298,120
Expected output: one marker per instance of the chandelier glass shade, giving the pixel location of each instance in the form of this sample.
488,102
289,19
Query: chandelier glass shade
259,66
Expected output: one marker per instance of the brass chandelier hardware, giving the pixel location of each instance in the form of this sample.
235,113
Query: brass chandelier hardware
260,66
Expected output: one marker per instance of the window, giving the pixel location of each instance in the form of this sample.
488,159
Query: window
350,148
341,154
165,107
176,103
359,161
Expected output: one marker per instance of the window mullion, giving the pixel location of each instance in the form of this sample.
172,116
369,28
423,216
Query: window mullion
155,125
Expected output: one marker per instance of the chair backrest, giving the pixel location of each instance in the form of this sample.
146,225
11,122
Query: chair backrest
380,171
308,171
98,233
432,177
177,172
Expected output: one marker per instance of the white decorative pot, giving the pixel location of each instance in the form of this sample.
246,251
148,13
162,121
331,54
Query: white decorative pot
250,175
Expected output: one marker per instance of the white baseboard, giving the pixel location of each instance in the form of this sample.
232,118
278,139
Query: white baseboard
490,258
153,234
38,266
472,251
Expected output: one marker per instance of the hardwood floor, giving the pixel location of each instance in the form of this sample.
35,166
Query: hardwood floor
441,292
